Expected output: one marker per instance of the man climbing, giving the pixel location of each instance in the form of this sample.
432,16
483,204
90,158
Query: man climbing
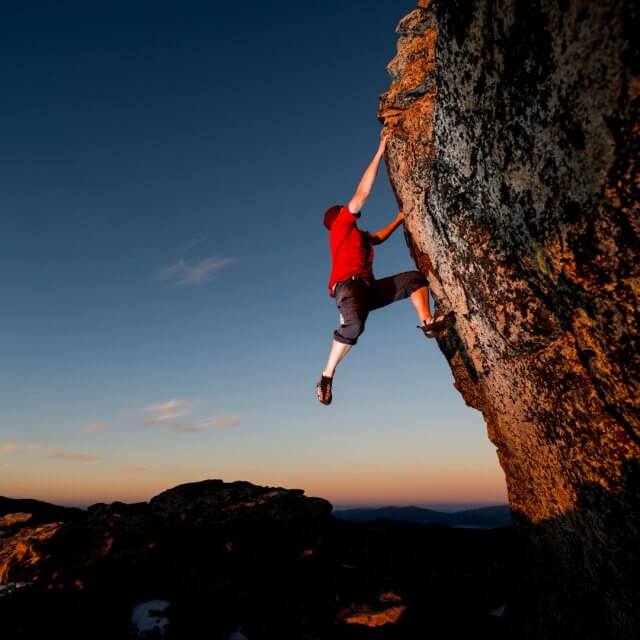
352,283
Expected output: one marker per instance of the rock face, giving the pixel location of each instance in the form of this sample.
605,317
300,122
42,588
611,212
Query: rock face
514,153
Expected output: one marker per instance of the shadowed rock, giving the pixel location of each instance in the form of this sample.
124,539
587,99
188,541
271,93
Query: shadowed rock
69,551
214,501
215,557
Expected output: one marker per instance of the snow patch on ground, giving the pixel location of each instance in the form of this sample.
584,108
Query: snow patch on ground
10,587
498,612
148,616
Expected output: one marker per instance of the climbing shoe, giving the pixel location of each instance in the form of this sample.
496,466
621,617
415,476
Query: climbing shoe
323,389
434,326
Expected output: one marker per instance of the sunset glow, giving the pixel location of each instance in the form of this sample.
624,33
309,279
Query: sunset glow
165,308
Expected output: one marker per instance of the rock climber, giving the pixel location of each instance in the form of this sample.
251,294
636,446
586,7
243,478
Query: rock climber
352,283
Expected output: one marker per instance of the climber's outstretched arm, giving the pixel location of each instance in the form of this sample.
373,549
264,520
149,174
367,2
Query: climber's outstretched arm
368,178
382,234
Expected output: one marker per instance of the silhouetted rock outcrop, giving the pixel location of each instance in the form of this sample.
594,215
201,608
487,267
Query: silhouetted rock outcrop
128,534
514,154
215,502
208,558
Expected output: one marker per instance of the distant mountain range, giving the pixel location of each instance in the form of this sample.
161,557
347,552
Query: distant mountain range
484,517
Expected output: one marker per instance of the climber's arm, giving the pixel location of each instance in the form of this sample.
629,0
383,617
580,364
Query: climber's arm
381,235
368,178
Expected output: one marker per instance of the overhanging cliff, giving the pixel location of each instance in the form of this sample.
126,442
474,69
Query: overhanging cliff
514,146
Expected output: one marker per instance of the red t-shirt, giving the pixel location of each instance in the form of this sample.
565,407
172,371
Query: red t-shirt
351,249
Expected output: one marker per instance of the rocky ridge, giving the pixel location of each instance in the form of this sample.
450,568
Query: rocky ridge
229,560
67,552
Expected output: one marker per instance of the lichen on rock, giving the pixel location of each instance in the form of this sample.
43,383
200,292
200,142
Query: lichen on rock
514,146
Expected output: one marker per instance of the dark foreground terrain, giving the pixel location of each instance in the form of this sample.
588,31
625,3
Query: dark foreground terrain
237,561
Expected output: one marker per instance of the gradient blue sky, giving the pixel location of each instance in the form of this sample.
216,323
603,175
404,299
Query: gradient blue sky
165,169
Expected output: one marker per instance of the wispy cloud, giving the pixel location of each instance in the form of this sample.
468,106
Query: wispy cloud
184,428
164,412
185,272
55,453
19,447
213,422
176,415
95,426
220,422
71,456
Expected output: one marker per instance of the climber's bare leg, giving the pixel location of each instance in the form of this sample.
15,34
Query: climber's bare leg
338,351
323,388
420,301
428,323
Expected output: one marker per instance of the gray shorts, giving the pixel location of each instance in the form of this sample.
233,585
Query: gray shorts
356,297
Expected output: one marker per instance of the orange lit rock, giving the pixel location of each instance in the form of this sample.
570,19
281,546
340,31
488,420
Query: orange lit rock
12,519
389,596
369,617
20,550
514,154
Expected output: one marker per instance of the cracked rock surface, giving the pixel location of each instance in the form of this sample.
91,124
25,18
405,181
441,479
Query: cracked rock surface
514,150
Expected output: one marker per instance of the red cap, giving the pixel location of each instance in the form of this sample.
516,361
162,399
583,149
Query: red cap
330,215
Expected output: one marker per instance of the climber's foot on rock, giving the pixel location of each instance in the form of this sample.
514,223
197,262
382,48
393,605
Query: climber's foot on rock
323,389
436,325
